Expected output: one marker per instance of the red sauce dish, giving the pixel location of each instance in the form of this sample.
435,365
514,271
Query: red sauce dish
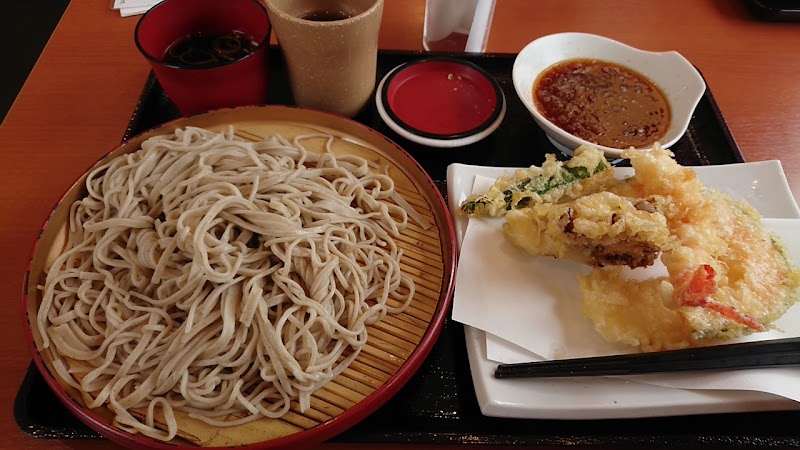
441,102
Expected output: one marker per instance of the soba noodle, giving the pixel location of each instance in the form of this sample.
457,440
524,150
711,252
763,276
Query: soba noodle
220,277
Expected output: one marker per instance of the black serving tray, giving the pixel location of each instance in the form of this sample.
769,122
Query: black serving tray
774,10
438,405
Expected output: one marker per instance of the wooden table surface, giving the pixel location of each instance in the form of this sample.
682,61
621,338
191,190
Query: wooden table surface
78,100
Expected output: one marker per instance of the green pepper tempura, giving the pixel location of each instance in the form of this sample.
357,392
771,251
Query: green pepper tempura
587,172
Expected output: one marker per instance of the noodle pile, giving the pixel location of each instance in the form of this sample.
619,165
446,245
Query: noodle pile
220,277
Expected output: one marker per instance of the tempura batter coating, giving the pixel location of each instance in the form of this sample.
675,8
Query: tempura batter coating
634,313
599,230
587,172
728,276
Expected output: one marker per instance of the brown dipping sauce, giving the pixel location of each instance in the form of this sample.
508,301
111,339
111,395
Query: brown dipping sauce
204,50
603,103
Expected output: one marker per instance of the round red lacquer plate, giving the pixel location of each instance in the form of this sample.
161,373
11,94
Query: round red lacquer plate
441,102
396,347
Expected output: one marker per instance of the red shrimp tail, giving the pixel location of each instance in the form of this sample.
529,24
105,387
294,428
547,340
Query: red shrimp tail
699,288
737,316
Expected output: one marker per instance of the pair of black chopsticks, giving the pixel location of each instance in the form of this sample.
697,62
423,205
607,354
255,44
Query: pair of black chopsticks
772,353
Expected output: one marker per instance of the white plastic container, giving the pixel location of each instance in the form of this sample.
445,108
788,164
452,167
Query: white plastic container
457,25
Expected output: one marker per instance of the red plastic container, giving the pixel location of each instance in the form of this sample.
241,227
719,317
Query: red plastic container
227,84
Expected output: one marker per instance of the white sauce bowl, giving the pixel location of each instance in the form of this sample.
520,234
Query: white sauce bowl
676,77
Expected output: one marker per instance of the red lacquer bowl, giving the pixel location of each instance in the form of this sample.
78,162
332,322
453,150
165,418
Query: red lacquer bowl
196,89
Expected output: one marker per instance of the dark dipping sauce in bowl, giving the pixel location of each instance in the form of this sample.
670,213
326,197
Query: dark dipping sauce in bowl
204,50
603,103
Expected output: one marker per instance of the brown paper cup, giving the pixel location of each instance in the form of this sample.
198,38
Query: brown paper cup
331,49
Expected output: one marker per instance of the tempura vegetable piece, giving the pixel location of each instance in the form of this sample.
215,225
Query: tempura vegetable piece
587,172
728,275
750,279
657,173
601,229
634,313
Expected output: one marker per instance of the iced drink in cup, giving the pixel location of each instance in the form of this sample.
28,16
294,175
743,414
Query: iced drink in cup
331,50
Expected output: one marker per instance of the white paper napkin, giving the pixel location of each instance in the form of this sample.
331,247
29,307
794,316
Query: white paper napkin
530,309
133,7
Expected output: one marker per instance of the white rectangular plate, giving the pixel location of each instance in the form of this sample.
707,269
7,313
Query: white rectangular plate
762,184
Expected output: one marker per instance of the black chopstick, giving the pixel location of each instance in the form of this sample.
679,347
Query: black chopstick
771,353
